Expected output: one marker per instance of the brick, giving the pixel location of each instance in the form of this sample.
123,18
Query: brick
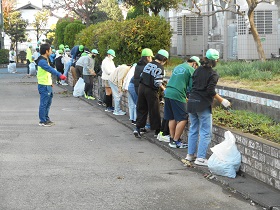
277,186
274,172
274,152
262,177
244,141
258,166
270,181
266,169
251,144
248,151
277,163
270,161
238,139
255,154
266,149
258,146
261,157
241,148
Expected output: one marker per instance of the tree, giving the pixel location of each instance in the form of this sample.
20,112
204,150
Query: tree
230,6
111,8
154,5
70,32
8,8
40,22
83,9
50,34
59,31
16,28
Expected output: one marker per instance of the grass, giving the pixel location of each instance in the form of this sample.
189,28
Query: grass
248,122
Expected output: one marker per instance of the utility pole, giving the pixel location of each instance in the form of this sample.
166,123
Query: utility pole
2,27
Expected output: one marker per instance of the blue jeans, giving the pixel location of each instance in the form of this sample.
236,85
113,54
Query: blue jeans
67,67
116,95
131,107
200,128
131,90
46,95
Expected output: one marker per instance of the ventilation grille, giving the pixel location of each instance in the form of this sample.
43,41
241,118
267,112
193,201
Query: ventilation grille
194,26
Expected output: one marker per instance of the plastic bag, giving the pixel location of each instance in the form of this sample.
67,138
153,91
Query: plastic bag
79,88
12,68
226,159
32,69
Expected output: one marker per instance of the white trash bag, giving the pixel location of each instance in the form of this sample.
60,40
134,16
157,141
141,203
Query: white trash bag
12,68
226,159
32,69
79,88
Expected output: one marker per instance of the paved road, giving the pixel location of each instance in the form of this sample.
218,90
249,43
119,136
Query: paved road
88,160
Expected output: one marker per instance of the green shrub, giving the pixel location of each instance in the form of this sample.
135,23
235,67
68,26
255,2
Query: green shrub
70,31
4,56
59,31
128,37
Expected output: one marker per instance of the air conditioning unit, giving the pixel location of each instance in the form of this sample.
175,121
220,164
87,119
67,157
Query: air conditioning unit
266,20
191,36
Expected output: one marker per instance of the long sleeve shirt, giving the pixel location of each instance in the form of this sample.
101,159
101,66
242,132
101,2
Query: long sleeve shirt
107,67
117,77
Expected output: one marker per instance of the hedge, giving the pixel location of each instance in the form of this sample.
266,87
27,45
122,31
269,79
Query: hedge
128,37
70,31
4,56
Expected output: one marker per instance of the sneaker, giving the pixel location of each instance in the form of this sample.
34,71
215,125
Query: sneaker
143,130
119,113
159,135
156,133
133,122
109,109
58,83
99,103
90,98
190,157
178,144
136,133
64,83
165,138
44,124
148,126
85,95
50,122
201,162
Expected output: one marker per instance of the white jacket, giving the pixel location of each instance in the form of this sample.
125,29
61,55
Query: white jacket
107,67
128,77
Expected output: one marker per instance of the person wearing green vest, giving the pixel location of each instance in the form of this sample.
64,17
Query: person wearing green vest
175,100
44,77
28,57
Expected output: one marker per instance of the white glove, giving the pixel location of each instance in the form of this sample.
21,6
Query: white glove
225,103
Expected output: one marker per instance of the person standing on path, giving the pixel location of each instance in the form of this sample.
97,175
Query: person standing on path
199,107
28,57
148,99
44,77
108,67
175,100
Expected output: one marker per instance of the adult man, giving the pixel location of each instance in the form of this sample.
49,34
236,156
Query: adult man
175,106
44,76
28,57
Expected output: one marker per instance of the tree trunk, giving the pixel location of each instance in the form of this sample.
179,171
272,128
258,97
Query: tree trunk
252,5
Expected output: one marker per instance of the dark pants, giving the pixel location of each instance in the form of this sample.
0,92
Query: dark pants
88,84
28,62
164,127
61,71
148,103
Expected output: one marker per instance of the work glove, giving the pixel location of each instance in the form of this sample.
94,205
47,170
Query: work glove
62,77
226,103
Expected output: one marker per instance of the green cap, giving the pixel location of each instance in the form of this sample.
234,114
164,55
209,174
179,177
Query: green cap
81,48
61,47
212,54
53,50
60,51
95,51
84,53
147,52
66,46
163,53
196,59
67,49
111,52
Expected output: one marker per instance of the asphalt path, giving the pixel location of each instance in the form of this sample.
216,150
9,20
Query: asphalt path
88,160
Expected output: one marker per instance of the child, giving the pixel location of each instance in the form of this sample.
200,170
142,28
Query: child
45,84
59,65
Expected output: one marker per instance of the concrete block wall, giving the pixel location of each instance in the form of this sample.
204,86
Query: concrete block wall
260,158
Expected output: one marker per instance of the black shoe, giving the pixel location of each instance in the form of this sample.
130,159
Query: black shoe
143,130
133,122
137,134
